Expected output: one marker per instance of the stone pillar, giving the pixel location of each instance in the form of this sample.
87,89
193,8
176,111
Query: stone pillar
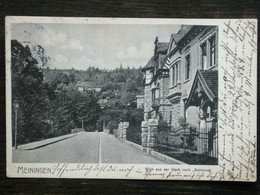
125,125
119,130
122,128
152,134
144,135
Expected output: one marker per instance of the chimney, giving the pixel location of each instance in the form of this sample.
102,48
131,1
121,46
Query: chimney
156,40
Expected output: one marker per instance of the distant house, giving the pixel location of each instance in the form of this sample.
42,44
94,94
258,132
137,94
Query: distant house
87,87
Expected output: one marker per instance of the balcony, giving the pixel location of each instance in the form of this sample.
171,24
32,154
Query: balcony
175,93
156,103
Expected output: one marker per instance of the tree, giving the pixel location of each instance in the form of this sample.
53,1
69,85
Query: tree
86,107
64,78
32,95
135,118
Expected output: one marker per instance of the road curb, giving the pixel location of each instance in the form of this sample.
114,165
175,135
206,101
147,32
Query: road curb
38,144
166,159
157,155
137,146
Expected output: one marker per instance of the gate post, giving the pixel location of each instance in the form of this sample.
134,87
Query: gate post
152,134
120,132
144,135
125,125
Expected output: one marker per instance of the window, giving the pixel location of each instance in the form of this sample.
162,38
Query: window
204,55
155,94
148,77
170,119
212,42
209,112
187,66
175,73
208,53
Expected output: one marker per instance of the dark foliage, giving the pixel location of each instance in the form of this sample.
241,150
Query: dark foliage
42,112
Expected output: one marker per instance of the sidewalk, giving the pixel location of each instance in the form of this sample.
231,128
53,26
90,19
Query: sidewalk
42,143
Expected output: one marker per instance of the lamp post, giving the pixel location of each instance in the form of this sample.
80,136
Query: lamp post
16,106
104,125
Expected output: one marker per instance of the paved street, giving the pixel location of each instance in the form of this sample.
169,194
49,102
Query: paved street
88,147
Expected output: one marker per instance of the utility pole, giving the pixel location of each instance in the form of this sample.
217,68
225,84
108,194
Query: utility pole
82,123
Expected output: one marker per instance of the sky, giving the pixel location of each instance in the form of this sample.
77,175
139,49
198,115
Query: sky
105,46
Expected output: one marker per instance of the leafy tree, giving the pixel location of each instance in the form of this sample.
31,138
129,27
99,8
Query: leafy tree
64,78
86,107
109,86
30,92
135,118
72,78
70,108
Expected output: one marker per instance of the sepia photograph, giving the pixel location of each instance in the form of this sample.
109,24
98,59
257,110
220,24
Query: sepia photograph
100,95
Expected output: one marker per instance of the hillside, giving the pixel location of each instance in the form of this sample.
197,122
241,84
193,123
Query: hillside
117,95
120,86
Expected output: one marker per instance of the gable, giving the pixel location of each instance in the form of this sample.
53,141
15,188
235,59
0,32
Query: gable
205,84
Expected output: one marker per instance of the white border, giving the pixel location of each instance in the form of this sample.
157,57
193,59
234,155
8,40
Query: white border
127,171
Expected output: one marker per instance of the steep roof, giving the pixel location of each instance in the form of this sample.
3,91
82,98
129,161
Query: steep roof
182,32
149,65
161,61
211,78
208,80
162,46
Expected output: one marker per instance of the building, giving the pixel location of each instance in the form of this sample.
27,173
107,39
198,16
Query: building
87,87
156,89
192,60
156,82
181,87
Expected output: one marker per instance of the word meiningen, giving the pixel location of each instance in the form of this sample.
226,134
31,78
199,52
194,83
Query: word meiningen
26,170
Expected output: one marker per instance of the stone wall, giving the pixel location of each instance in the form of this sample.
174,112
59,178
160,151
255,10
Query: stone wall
176,114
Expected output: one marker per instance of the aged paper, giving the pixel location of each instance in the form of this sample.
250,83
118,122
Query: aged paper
114,98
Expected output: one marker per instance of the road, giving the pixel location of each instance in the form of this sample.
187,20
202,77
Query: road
88,147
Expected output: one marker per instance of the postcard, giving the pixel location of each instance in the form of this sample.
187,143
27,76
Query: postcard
131,98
